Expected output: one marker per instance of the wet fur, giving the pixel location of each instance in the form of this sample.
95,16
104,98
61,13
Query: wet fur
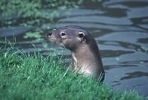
85,53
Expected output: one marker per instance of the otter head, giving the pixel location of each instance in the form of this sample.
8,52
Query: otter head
72,38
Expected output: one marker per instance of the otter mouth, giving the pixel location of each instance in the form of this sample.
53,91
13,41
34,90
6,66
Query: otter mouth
56,41
62,45
52,40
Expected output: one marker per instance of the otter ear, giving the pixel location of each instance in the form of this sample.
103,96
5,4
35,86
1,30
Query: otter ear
81,35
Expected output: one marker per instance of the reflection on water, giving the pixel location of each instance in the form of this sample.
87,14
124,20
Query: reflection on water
121,31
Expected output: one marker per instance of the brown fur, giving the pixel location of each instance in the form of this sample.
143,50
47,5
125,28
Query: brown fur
85,53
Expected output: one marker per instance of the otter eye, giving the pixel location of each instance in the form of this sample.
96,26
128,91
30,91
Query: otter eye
49,34
63,34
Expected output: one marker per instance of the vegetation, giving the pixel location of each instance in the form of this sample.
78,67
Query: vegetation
35,13
34,77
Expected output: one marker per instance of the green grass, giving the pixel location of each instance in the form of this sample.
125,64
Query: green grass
34,77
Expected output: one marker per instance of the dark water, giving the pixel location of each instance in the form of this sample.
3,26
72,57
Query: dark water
120,28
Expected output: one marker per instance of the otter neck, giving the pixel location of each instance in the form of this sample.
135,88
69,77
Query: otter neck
78,53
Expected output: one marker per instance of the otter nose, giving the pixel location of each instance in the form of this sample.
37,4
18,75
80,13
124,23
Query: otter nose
49,34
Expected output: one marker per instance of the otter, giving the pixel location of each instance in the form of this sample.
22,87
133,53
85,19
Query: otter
85,52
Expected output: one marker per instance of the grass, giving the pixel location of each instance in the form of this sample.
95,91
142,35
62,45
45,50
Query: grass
34,77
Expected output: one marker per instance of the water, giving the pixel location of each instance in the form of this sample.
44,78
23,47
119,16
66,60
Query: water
120,27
